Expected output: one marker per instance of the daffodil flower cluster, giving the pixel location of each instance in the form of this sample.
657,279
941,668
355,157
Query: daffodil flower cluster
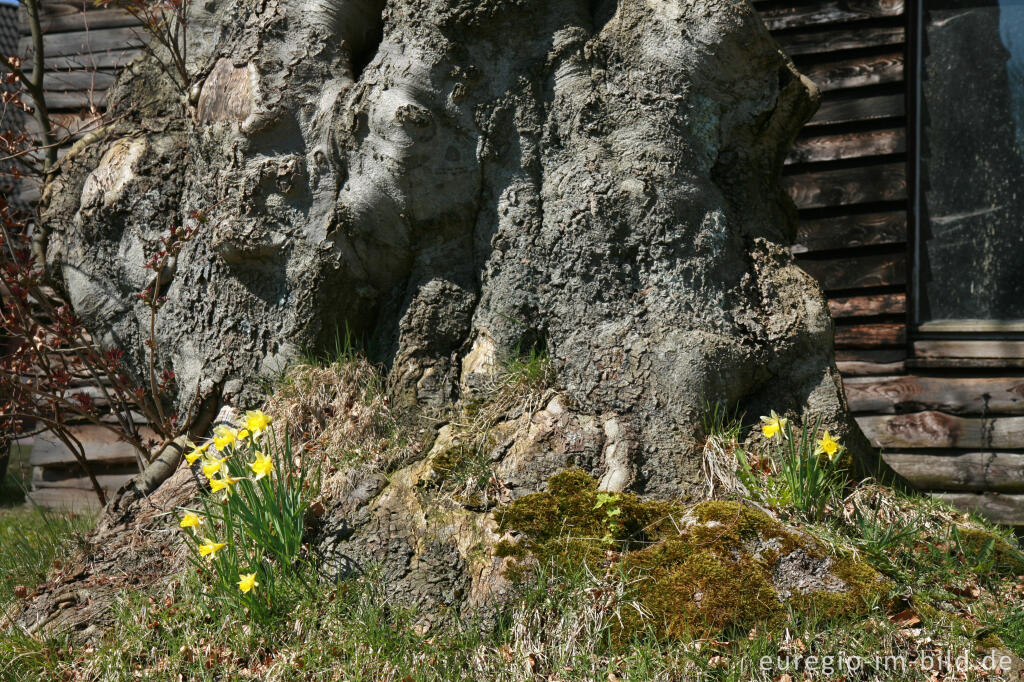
227,441
775,426
797,469
248,537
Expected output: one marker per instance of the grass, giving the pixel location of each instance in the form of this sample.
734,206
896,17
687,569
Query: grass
957,585
18,478
32,540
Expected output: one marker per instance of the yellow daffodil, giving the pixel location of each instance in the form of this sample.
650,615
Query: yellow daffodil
218,484
209,548
256,422
263,466
190,520
828,445
224,436
196,452
773,425
213,466
247,581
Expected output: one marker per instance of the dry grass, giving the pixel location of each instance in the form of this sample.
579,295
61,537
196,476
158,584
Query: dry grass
341,417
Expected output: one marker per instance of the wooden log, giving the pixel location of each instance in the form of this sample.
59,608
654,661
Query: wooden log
969,349
100,445
954,395
887,269
110,59
932,429
863,369
819,42
848,109
870,335
951,470
65,81
85,42
973,326
966,363
52,478
814,148
877,355
857,72
29,194
834,12
863,306
848,186
60,17
75,101
850,231
997,508
66,499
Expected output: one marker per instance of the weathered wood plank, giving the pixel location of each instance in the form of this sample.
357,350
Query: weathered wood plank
870,335
66,499
50,478
85,42
932,429
862,306
75,101
997,508
878,355
100,445
59,17
836,11
63,81
955,395
863,369
966,363
848,109
995,471
111,59
857,72
815,148
969,349
848,186
874,270
850,231
972,326
819,42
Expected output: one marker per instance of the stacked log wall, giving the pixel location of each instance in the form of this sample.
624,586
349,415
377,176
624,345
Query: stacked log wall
947,411
85,45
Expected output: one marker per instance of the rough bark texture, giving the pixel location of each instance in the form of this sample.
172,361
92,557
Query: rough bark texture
456,180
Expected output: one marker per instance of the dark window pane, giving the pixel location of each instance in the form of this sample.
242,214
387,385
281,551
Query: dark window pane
971,239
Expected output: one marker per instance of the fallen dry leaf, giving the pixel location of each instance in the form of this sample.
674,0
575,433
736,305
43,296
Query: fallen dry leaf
905,618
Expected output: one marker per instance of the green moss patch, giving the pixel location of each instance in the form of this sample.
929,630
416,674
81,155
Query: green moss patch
990,550
693,570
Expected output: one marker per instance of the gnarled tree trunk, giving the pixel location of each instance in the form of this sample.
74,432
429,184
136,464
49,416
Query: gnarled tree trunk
458,179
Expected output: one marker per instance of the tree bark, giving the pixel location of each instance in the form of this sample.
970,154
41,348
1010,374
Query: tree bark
459,180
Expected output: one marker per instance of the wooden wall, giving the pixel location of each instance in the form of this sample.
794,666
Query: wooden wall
847,170
947,411
10,118
84,45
